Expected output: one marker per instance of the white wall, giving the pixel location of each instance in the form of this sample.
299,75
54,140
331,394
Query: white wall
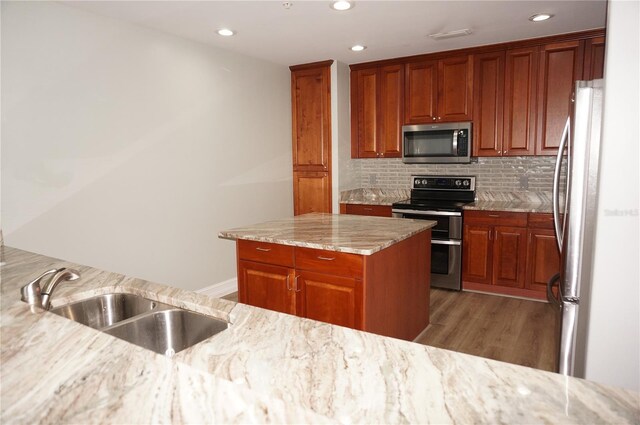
129,149
613,347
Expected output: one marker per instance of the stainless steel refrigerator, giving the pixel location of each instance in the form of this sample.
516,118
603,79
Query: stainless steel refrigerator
574,210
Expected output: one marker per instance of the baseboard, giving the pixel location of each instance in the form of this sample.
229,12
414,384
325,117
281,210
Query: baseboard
220,289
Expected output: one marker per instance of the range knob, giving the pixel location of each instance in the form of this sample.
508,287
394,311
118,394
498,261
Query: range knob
458,182
424,181
465,183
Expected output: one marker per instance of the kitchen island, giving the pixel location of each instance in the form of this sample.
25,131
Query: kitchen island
267,367
365,273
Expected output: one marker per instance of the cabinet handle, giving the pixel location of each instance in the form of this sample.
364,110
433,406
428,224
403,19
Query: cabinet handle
326,258
367,209
494,215
500,152
295,284
263,249
434,118
288,286
439,118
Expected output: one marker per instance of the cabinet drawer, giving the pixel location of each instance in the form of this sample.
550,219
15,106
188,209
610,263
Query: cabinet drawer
541,221
375,210
264,252
329,262
502,218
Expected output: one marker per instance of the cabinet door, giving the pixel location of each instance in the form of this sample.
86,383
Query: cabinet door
560,67
543,259
509,256
477,253
330,299
311,109
520,101
311,192
420,94
594,58
390,104
365,111
455,89
266,286
488,96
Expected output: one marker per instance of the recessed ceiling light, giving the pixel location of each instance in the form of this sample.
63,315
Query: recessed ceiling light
342,5
538,17
358,48
225,32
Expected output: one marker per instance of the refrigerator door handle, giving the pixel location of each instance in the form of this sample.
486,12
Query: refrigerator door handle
556,184
550,296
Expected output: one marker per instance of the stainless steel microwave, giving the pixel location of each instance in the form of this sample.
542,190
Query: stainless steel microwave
437,143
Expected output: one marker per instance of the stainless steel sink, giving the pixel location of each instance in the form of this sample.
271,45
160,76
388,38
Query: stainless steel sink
168,332
149,324
106,310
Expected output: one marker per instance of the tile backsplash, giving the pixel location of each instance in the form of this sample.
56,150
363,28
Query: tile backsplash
512,174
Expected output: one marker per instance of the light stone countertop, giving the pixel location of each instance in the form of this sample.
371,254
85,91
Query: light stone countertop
510,206
354,234
374,196
267,367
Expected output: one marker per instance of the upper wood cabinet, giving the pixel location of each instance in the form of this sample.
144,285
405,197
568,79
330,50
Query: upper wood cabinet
521,77
376,111
311,125
561,66
488,103
439,90
311,117
594,58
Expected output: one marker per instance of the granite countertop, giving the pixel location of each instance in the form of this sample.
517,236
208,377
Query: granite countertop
267,367
511,206
354,234
374,196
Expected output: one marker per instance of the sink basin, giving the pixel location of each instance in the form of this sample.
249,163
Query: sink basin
168,332
106,310
150,324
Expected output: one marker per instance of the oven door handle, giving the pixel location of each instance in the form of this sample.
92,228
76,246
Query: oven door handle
441,242
420,212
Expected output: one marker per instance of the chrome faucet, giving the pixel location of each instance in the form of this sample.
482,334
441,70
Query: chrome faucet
38,296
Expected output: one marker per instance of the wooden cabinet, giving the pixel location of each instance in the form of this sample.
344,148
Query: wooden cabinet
342,288
543,256
509,256
332,299
311,125
488,98
521,78
560,67
364,209
439,91
376,111
311,191
509,253
594,58
537,83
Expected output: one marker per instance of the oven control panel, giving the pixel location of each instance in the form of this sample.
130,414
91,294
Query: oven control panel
444,182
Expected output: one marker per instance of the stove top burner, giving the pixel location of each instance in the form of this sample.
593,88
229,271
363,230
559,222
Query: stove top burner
439,193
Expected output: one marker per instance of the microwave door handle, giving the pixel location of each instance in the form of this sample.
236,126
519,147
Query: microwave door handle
455,142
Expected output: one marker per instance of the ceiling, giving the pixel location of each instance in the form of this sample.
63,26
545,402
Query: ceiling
311,31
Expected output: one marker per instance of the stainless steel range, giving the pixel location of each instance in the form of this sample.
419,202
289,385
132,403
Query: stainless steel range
441,198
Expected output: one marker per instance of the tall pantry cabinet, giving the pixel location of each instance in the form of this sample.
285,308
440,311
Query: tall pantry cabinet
311,127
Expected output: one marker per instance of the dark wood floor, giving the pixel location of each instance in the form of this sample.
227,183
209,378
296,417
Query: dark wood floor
500,328
507,329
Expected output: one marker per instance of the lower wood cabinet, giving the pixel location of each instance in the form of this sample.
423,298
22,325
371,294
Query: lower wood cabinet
332,299
386,292
366,209
509,253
